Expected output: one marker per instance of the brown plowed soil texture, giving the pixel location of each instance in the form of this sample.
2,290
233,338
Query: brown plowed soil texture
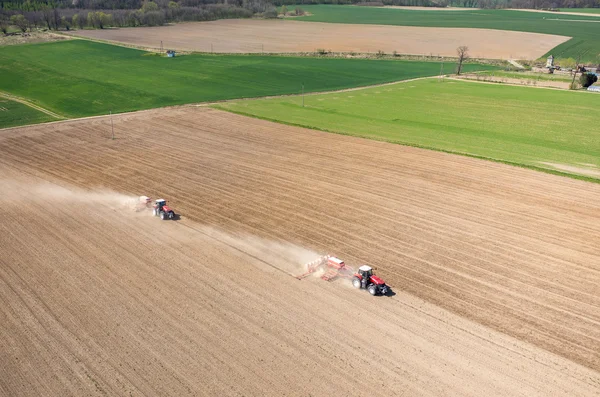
284,36
495,269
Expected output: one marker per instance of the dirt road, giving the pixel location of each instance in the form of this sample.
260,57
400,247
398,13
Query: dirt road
96,299
285,36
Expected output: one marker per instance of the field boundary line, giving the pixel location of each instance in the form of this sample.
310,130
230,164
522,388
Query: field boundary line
31,105
201,104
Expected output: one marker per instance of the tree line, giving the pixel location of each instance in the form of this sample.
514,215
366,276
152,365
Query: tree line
532,4
68,14
80,14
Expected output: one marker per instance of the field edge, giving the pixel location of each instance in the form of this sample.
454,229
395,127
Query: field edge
425,147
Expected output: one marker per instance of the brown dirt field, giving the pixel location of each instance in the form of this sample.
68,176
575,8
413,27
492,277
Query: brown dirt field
285,36
496,268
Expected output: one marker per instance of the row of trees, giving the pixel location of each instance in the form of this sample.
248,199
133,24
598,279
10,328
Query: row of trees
150,13
534,4
264,5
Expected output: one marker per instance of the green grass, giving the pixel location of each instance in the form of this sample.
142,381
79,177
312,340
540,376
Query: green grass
14,113
584,10
83,78
517,125
585,35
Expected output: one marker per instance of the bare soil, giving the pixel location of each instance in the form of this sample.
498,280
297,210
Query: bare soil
30,37
585,14
527,80
495,269
285,36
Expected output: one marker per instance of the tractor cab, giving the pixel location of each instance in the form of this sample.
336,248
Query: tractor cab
159,203
365,272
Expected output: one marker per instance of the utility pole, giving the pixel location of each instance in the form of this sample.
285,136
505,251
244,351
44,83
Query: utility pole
112,127
576,68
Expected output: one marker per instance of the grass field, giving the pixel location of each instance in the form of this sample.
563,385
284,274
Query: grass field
524,126
82,78
585,35
14,113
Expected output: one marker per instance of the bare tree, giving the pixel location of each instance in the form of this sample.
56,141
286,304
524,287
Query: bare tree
463,54
19,21
3,26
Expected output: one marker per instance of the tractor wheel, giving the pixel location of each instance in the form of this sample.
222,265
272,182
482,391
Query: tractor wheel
154,211
171,215
372,290
163,215
356,282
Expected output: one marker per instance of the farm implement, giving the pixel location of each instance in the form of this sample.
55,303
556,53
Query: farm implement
332,268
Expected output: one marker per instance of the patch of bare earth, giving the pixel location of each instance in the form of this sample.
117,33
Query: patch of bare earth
30,37
531,82
285,36
587,169
585,14
495,268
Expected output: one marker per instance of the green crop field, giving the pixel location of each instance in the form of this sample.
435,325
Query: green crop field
584,10
83,78
519,125
585,35
14,113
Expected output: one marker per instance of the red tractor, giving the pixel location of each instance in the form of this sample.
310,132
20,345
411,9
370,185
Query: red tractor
332,268
364,278
161,209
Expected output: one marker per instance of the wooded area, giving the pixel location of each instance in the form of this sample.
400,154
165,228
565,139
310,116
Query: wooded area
67,14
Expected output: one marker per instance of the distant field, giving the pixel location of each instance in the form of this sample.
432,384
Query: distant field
529,76
533,127
586,35
259,36
584,10
82,78
14,113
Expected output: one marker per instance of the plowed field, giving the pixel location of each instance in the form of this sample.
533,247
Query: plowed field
262,36
495,268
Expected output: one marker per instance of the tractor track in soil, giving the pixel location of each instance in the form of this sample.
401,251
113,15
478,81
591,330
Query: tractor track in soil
496,268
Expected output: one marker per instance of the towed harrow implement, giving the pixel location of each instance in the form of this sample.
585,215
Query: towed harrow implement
331,266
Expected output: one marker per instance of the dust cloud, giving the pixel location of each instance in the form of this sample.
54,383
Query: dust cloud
283,255
13,190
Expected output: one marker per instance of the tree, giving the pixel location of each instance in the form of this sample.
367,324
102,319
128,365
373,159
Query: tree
19,21
587,79
463,54
299,11
75,19
149,6
173,5
3,26
579,56
284,10
66,22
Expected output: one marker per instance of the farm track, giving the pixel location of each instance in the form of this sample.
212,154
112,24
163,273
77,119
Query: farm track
128,311
31,105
